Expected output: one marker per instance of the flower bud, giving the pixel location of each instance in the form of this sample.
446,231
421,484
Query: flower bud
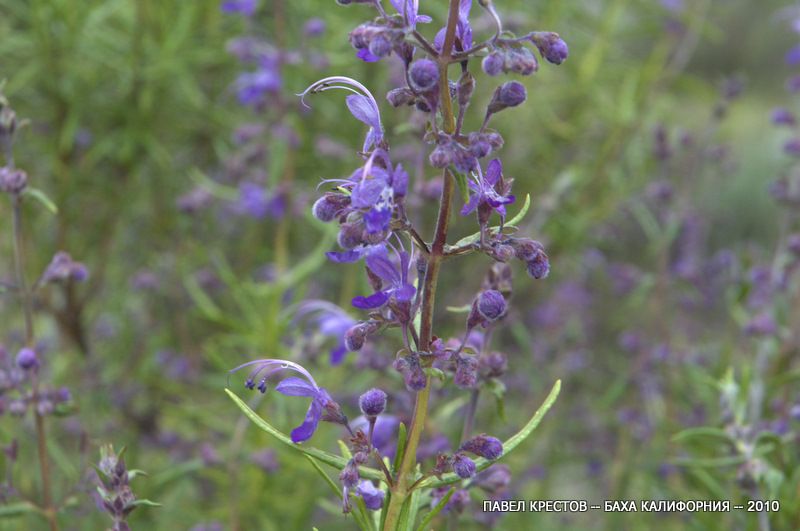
521,61
526,249
372,403
440,157
400,96
507,95
380,46
466,376
539,266
465,89
350,235
12,180
551,46
484,446
423,75
355,337
463,466
328,206
491,305
492,64
26,359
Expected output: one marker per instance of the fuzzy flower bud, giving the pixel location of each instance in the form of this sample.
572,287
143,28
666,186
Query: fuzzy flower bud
26,359
356,336
551,46
466,376
400,96
484,446
491,305
463,466
350,235
492,64
372,403
12,180
507,95
328,206
424,75
465,89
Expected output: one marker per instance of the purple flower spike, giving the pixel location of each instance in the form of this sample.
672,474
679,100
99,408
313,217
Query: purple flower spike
322,406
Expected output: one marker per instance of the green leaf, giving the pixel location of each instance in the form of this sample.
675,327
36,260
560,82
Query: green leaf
146,503
436,510
702,431
461,180
41,197
459,309
328,458
508,446
401,447
17,509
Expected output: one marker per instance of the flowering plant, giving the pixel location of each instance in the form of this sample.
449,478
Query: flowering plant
375,226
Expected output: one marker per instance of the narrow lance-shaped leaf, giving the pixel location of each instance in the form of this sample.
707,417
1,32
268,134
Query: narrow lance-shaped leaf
508,446
321,455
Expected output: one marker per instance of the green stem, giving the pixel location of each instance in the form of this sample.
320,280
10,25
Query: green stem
405,476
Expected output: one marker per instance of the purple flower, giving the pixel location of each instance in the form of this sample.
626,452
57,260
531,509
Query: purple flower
331,321
792,57
489,192
322,406
243,7
256,202
366,110
394,276
373,497
411,11
62,268
314,27
463,28
252,87
782,116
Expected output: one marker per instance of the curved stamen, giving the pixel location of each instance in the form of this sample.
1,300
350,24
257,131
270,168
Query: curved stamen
346,83
267,363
